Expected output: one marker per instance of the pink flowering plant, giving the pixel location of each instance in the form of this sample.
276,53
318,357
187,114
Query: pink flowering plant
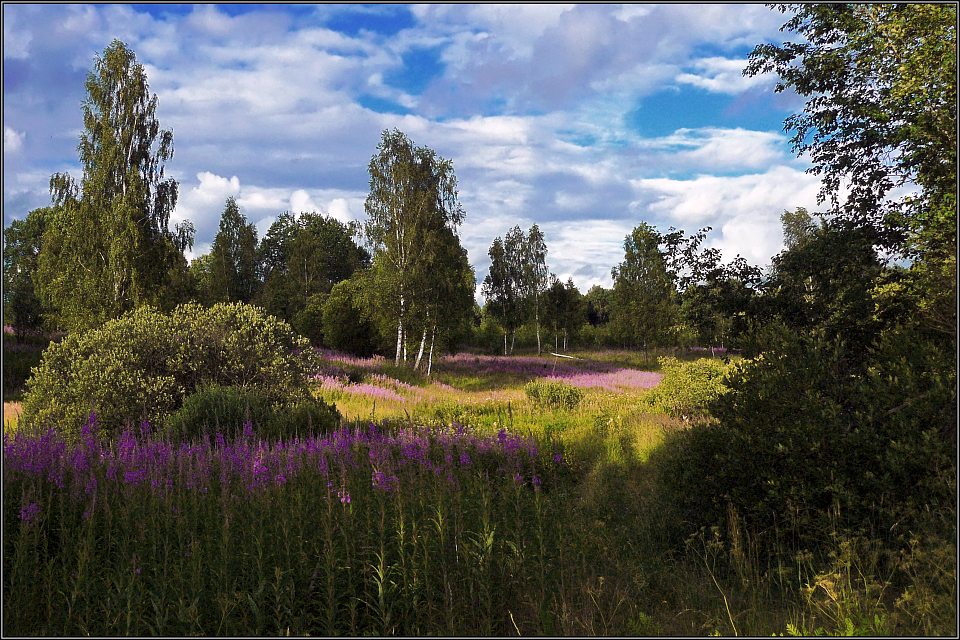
301,529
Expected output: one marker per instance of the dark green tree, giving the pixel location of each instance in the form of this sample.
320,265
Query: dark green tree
107,247
22,241
597,300
644,308
302,257
502,291
881,113
345,320
233,262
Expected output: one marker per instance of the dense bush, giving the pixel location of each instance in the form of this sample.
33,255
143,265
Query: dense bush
141,366
226,409
553,394
688,388
344,323
803,446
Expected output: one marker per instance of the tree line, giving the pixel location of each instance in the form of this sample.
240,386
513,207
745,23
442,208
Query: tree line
400,283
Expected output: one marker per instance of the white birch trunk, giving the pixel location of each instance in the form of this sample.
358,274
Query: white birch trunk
433,335
537,318
423,341
399,333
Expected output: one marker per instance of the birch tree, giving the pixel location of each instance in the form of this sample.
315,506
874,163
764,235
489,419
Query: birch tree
501,290
413,195
108,246
535,274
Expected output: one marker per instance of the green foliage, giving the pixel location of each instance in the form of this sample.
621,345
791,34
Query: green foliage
344,320
21,250
233,258
214,409
225,410
688,388
825,282
142,365
107,246
804,443
309,320
413,211
881,113
301,257
643,308
553,394
17,363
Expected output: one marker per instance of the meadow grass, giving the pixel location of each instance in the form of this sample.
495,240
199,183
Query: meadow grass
454,505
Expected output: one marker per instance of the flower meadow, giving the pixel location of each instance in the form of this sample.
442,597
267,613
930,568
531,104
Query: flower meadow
374,528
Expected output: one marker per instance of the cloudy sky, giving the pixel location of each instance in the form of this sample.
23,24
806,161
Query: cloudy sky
583,119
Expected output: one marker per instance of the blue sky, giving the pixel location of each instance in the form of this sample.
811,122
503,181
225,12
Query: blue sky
583,119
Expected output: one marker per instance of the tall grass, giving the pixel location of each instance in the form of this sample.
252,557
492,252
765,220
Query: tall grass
440,510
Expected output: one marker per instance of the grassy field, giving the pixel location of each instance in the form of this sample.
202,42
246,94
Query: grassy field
454,505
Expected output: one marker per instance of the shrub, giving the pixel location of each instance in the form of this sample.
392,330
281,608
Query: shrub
805,446
688,388
142,365
553,394
226,409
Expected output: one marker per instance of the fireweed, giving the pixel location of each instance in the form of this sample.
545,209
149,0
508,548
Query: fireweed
366,529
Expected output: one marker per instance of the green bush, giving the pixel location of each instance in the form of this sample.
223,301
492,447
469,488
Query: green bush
804,447
142,365
553,394
688,388
226,409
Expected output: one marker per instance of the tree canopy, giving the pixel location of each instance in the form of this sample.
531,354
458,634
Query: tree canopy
107,246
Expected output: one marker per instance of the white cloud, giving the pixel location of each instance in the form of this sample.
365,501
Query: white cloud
744,211
723,75
718,149
301,201
12,140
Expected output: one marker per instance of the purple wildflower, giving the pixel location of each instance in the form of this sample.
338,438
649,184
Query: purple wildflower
29,512
536,482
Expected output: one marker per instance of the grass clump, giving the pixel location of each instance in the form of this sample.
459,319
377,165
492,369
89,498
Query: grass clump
226,410
553,394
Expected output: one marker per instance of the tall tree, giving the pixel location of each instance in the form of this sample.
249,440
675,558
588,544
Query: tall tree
413,195
22,241
233,262
304,256
643,293
501,291
598,305
108,247
563,308
535,274
881,113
